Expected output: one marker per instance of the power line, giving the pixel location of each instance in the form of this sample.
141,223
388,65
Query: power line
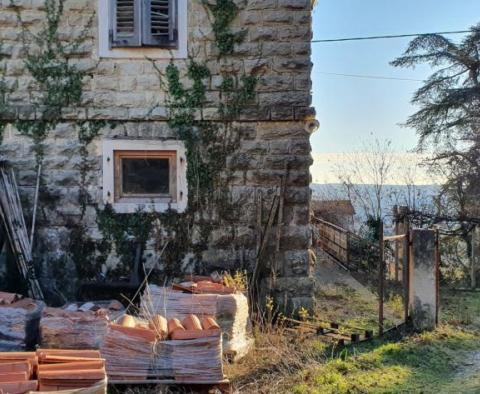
370,76
390,36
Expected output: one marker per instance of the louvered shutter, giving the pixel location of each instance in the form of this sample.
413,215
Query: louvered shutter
125,23
160,23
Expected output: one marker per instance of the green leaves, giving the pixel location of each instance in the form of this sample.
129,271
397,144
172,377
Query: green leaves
449,100
237,93
58,82
224,12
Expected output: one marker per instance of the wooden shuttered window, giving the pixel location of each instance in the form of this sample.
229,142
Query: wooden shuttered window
160,23
138,23
125,28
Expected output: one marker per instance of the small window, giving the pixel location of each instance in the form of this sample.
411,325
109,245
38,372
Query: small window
146,174
143,23
136,29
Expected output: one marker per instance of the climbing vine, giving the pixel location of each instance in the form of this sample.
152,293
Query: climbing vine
224,13
58,85
208,143
126,232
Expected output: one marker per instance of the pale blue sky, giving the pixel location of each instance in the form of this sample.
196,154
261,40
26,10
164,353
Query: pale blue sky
350,109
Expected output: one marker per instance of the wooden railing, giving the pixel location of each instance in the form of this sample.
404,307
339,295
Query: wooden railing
355,253
333,240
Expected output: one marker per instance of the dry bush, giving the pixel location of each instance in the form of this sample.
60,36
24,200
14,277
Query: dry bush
278,355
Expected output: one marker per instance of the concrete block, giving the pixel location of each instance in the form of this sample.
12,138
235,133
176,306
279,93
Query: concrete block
423,280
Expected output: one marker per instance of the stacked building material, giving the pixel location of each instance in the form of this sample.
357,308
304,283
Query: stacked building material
17,372
229,310
137,350
128,349
62,328
19,319
52,370
203,286
195,351
196,360
70,369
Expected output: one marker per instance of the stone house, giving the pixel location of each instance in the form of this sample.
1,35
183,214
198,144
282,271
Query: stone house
339,212
243,73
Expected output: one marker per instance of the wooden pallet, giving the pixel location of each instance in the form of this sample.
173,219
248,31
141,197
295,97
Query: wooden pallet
330,330
224,386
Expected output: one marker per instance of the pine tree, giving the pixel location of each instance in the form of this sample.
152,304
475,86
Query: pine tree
448,118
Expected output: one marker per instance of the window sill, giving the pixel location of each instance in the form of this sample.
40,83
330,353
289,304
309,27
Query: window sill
129,207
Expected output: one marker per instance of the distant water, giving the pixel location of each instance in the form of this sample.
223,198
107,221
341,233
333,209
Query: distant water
417,197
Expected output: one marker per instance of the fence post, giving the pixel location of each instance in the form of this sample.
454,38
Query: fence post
406,274
381,280
423,280
475,258
437,273
397,232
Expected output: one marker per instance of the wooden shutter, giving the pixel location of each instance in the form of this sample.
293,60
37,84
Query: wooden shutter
160,23
125,23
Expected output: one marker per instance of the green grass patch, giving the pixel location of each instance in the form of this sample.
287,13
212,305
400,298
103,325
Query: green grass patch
425,363
446,360
460,307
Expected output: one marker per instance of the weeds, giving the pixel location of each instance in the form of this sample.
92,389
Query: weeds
427,363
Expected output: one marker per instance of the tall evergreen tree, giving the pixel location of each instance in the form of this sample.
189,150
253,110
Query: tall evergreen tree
448,123
448,118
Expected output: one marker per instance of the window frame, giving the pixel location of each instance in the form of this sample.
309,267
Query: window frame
141,52
174,149
121,196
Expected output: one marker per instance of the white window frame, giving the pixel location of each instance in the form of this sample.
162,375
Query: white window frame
109,147
104,50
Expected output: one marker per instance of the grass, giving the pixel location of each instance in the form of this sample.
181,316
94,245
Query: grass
345,305
446,360
425,363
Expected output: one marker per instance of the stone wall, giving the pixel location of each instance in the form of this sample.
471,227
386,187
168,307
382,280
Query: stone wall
274,130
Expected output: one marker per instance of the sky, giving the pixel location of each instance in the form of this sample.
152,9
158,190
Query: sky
354,111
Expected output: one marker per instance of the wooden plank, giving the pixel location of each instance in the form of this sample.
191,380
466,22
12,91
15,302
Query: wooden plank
392,238
167,382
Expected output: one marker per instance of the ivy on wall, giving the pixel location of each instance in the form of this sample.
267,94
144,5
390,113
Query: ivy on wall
58,85
208,142
224,13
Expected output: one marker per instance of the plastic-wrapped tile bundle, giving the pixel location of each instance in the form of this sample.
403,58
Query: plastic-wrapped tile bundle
138,350
129,353
194,360
229,310
60,328
19,321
